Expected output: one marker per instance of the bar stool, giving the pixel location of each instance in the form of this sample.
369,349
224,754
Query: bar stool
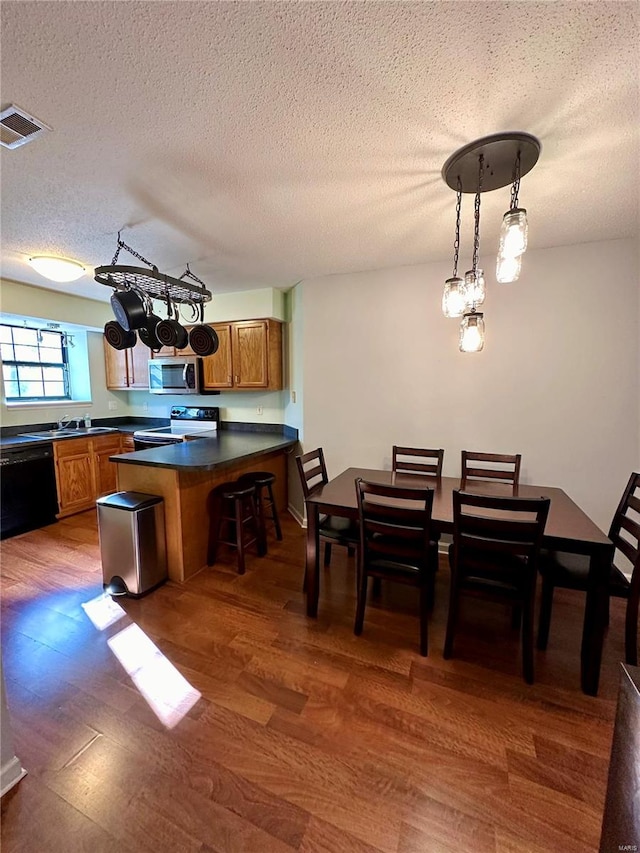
234,504
263,481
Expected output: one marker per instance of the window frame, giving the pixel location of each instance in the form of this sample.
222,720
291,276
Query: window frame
64,364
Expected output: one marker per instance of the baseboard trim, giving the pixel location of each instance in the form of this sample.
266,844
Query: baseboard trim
294,512
11,773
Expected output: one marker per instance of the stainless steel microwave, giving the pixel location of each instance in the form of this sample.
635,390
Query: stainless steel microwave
175,375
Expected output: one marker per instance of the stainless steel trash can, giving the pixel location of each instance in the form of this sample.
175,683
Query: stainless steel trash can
132,542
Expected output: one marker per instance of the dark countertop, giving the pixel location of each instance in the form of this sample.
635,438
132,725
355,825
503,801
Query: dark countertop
204,454
9,441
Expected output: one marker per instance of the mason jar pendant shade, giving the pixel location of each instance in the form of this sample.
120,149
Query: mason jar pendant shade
474,288
513,234
472,332
454,302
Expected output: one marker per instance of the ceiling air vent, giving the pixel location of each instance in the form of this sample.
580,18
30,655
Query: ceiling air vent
18,127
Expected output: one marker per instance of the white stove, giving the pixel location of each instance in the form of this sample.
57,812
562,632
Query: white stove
187,423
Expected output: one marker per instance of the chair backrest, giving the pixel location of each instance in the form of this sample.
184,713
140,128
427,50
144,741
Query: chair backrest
625,527
312,470
485,525
490,466
395,522
416,460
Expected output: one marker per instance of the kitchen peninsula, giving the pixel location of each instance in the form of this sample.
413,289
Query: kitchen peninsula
183,474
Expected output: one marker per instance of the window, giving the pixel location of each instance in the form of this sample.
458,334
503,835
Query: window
35,364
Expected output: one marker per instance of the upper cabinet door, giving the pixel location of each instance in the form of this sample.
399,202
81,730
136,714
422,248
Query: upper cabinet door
250,354
139,365
217,368
115,362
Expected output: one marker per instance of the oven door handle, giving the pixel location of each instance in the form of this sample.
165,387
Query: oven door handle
184,375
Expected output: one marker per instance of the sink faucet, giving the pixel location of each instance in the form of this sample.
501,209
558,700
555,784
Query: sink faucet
64,421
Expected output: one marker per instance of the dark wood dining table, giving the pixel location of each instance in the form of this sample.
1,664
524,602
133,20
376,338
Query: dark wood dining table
568,528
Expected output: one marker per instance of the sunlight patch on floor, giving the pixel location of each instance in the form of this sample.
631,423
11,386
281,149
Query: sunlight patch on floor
103,611
167,692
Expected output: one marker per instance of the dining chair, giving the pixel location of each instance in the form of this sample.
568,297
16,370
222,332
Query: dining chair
395,544
571,571
495,548
404,460
504,467
417,460
332,529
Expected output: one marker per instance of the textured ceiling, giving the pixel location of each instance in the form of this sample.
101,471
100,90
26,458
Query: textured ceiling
266,143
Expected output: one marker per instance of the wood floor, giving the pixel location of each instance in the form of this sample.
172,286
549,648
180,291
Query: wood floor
306,737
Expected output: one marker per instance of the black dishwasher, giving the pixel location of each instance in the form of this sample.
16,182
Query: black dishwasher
28,489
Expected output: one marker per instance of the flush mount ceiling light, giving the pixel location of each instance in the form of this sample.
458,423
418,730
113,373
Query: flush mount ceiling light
57,269
487,164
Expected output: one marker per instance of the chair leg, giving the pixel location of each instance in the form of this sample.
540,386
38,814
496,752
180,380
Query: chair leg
261,526
274,510
631,630
546,604
452,618
239,536
362,600
214,531
425,600
431,588
327,554
527,639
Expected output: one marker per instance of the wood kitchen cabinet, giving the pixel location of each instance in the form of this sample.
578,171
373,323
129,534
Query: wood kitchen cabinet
249,357
83,471
127,368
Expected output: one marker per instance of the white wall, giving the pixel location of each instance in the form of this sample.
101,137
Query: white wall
558,380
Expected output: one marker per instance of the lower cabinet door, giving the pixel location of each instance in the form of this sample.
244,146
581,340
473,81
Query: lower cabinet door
105,471
75,483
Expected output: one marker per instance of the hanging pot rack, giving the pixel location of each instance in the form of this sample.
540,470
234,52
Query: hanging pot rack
151,282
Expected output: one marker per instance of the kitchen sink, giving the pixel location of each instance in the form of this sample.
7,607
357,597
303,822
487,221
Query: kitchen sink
50,433
68,433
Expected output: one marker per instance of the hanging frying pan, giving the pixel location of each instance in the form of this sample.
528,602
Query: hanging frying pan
169,332
147,332
128,309
203,340
117,337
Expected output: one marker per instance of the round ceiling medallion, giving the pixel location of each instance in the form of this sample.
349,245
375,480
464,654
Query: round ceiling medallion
499,152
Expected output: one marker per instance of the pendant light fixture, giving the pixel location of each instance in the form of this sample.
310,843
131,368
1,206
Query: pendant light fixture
513,235
472,326
487,164
453,299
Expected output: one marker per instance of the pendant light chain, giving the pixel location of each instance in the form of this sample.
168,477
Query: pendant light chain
456,244
515,187
476,233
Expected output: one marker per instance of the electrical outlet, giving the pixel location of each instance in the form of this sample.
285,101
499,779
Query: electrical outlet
112,405
259,410
145,407
293,396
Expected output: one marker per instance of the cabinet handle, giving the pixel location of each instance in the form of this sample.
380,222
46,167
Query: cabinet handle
237,377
